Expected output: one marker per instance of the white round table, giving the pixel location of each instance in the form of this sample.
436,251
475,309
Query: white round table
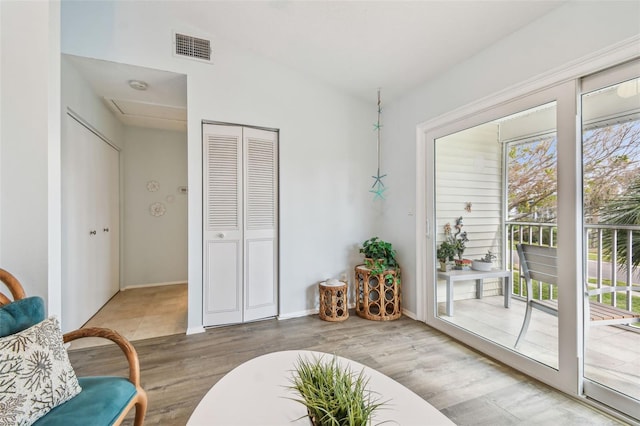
257,393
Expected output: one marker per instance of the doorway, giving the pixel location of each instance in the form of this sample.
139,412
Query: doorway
143,112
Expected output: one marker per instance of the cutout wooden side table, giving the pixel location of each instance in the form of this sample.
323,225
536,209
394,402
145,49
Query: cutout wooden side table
333,301
378,295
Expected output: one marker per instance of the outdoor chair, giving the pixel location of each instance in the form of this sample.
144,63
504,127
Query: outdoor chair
56,396
539,263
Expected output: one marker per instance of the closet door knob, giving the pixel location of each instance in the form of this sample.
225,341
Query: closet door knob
105,229
92,232
221,235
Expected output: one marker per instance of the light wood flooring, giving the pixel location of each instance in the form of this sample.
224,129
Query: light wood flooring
466,386
141,313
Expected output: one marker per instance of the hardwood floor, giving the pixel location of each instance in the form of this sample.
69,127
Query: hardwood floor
466,386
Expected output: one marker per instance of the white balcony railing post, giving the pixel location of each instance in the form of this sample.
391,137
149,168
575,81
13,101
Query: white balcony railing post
516,234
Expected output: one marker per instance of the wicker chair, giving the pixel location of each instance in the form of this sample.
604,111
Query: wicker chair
103,400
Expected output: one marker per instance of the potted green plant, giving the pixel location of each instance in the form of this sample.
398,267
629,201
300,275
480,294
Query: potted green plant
333,394
445,254
379,255
484,264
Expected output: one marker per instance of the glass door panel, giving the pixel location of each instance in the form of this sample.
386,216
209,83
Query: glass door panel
611,193
496,187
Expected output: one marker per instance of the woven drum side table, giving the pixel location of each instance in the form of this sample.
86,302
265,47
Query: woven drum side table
333,301
378,295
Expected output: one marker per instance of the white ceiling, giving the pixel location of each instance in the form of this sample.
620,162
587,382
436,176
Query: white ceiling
355,46
163,105
359,46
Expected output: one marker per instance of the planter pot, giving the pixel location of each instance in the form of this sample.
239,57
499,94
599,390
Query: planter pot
445,266
478,265
378,294
463,265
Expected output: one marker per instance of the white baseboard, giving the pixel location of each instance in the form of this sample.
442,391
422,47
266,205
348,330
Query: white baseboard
298,314
409,314
308,312
195,330
129,287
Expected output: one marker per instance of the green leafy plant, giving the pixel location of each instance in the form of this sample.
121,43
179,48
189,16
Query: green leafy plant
333,395
446,251
381,254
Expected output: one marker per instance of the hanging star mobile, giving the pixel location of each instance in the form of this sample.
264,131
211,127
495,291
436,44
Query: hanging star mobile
378,187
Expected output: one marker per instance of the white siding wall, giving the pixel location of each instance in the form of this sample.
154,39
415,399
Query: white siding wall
469,169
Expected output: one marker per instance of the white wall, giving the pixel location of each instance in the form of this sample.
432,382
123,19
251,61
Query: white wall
326,143
78,95
28,140
565,35
154,248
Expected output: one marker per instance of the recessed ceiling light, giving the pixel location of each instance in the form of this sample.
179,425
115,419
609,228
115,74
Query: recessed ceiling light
138,84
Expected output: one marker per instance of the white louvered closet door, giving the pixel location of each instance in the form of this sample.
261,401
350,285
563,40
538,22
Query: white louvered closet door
222,273
240,246
260,248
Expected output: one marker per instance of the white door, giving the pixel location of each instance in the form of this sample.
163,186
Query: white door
610,101
77,212
240,217
222,224
261,281
90,224
106,221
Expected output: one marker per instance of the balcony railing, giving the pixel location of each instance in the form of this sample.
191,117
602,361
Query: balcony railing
600,267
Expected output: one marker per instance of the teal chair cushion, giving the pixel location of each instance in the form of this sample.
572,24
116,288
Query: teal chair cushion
100,403
20,315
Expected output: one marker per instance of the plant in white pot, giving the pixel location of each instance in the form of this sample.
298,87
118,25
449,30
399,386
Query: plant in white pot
484,264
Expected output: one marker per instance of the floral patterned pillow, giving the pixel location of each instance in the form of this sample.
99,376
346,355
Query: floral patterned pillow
35,373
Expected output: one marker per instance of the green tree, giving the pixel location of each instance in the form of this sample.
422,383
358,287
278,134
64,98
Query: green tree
624,209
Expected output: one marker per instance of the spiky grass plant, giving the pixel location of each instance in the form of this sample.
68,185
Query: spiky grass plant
333,395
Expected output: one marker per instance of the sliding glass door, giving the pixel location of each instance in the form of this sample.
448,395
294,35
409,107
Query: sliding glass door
496,187
531,249
611,188
496,180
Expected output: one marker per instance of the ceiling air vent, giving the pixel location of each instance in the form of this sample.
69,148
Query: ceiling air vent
192,47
